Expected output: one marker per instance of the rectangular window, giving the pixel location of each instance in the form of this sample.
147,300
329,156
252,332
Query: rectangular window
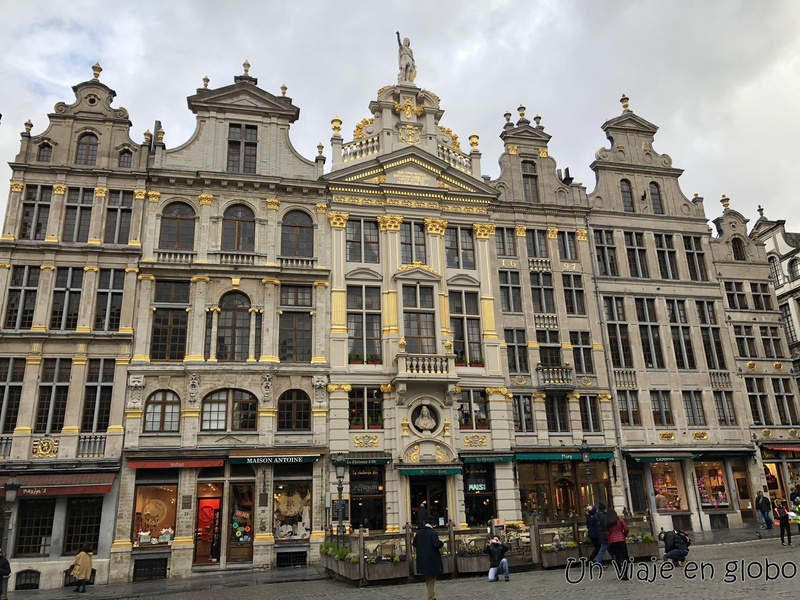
693,405
12,372
149,524
294,338
573,294
170,321
649,333
549,347
517,348
35,211
510,291
506,241
97,397
465,323
726,414
771,342
737,299
364,324
542,292
242,145
53,389
695,258
745,341
662,408
784,398
473,410
666,253
110,286
22,296
759,401
710,332
83,523
606,253
78,215
459,247
412,243
581,352
619,341
66,298
419,319
762,299
557,412
637,256
628,401
567,249
366,408
35,527
536,243
362,241
788,323
523,413
529,177
118,217
681,334
590,414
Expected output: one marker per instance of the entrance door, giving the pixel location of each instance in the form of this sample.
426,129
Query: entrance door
208,523
240,523
433,492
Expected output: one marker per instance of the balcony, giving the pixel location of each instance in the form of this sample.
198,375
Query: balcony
539,264
625,378
720,380
360,148
297,262
181,257
245,259
91,446
545,321
426,367
555,378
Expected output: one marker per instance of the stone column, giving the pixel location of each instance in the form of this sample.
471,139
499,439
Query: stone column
264,539
506,493
13,212
271,322
120,568
435,229
98,216
116,430
183,543
208,229
251,344
43,297
212,352
21,444
389,226
55,218
73,414
141,349
272,233
196,320
485,270
149,226
88,299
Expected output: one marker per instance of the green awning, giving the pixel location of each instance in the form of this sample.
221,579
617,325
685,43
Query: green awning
411,471
653,457
488,458
367,458
564,456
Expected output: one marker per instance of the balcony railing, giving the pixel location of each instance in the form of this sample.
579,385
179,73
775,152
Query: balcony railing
539,264
555,377
360,148
429,367
625,378
5,446
236,258
720,380
91,446
542,321
297,262
456,159
175,256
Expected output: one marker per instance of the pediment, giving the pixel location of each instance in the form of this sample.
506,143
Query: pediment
462,280
228,439
526,135
632,122
245,96
364,274
418,272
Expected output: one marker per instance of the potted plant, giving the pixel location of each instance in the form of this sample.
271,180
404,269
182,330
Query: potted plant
476,362
465,422
386,568
471,559
355,359
374,359
557,554
376,423
482,424
642,546
357,423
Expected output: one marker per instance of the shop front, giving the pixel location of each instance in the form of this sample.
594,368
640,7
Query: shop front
367,471
431,487
480,488
558,486
781,469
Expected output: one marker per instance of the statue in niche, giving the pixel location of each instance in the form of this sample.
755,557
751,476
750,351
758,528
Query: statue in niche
425,421
408,68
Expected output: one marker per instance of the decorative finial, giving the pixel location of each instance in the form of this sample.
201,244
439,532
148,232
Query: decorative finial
507,115
283,89
402,344
521,111
160,134
725,201
246,65
320,148
28,126
336,124
624,101
696,194
760,211
205,81
96,70
148,136
537,119
473,141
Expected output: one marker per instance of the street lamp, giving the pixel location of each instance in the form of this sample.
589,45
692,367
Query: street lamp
339,464
586,457
10,488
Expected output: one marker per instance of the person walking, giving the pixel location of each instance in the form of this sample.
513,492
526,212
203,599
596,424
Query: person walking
497,560
617,534
592,531
5,568
602,533
429,559
764,506
422,515
81,568
782,518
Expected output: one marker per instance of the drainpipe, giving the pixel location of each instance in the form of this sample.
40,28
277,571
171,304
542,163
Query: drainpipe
610,369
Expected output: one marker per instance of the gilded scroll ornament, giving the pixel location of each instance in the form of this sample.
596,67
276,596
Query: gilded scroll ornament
552,233
542,152
409,109
100,192
365,441
455,143
474,441
390,222
409,135
358,132
321,207
206,199
413,455
46,447
667,436
483,230
338,219
273,203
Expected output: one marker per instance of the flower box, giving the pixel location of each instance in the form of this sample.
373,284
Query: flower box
472,563
559,558
387,570
447,562
643,549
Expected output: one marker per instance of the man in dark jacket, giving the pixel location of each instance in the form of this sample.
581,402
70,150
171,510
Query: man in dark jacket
674,547
496,552
764,506
5,568
592,532
429,560
422,515
602,534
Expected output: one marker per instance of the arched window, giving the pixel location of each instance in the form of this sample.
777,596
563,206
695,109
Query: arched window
177,227
240,404
162,412
627,195
87,150
233,327
775,271
794,269
297,234
126,159
45,153
294,411
655,199
239,229
738,249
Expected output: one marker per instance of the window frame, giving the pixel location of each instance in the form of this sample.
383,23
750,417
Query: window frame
364,322
517,351
167,408
693,408
300,404
21,297
238,229
230,400
726,410
655,199
86,149
574,295
13,377
297,235
413,243
649,333
242,149
419,318
626,195
606,252
476,403
97,397
505,240
119,210
682,345
510,290
459,247
358,241
582,352
296,324
77,219
65,310
667,256
52,394
636,251
543,293
661,405
35,213
530,178
109,299
183,224
522,408
170,325
695,257
557,413
630,414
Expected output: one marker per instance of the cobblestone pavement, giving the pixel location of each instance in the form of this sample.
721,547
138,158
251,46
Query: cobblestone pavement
548,584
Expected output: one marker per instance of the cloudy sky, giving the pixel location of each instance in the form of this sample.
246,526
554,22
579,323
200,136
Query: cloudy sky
720,78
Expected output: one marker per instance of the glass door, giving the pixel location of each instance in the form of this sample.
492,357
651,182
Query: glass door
208,523
430,492
240,523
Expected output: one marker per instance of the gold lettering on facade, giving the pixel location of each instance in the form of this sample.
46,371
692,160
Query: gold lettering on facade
412,177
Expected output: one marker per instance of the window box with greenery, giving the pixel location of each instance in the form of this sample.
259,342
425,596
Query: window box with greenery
386,568
375,423
476,362
357,423
557,554
483,424
642,546
355,359
471,559
374,359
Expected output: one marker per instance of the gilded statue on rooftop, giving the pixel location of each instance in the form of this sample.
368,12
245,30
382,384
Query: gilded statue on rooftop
408,68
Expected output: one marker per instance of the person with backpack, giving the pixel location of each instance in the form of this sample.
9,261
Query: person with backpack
617,531
782,518
676,546
592,531
602,533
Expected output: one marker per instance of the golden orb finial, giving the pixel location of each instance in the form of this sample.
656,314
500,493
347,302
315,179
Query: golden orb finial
96,70
521,110
624,100
246,65
320,148
205,81
725,201
148,136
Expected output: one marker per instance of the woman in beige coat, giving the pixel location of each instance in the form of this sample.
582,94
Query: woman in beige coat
81,568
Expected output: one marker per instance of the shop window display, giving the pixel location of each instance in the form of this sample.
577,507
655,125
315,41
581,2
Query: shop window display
292,518
711,485
367,498
155,515
240,524
479,496
670,493
534,486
